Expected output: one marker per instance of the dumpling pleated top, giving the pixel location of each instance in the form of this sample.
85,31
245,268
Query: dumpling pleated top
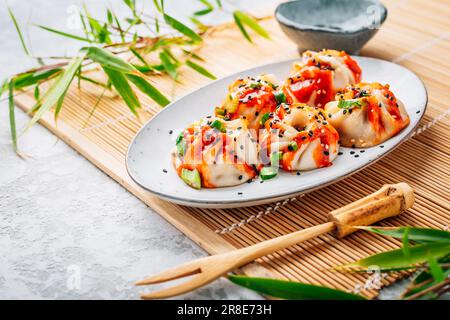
366,114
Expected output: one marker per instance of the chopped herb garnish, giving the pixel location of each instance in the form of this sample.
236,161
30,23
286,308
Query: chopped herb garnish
264,118
280,97
348,104
218,125
179,138
268,173
292,146
275,158
255,85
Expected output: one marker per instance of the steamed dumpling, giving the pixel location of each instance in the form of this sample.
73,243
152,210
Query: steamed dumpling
249,98
216,153
299,137
317,78
366,114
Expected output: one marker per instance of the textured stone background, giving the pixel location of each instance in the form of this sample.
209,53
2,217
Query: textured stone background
59,215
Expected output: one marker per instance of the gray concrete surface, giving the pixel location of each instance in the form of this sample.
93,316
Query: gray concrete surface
68,231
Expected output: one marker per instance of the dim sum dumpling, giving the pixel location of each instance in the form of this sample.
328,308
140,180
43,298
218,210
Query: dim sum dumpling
216,153
249,98
317,78
299,137
366,114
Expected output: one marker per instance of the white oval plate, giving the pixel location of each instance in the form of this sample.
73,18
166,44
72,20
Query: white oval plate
148,158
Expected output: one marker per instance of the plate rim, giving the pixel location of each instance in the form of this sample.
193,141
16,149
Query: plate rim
262,200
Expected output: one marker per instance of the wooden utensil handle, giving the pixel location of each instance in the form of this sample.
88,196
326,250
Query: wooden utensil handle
389,201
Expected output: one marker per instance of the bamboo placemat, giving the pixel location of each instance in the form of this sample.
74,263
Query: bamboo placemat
415,35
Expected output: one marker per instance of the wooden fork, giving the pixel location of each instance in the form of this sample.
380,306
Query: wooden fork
389,201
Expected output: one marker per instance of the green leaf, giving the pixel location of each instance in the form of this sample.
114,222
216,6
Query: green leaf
169,66
57,89
200,69
157,6
238,22
123,88
12,116
348,104
405,242
203,12
106,59
149,90
64,34
193,55
435,269
251,23
33,77
415,234
291,290
138,56
16,25
396,258
177,25
219,3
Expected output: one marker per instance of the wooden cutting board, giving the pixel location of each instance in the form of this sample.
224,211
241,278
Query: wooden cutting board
416,35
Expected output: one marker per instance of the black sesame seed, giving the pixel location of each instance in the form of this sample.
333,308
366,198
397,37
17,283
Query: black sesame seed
326,153
298,173
240,177
249,181
164,170
362,151
352,152
239,128
239,193
418,111
171,131
340,153
356,155
381,146
256,113
242,147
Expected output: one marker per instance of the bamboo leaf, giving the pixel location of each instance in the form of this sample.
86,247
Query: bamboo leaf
405,242
200,69
251,23
64,34
123,88
203,12
149,90
291,290
415,234
182,28
138,56
238,22
157,6
107,59
37,92
57,89
12,116
170,67
16,25
33,77
435,269
397,258
219,3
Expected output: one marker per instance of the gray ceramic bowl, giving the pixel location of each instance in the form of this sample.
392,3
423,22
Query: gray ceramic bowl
333,24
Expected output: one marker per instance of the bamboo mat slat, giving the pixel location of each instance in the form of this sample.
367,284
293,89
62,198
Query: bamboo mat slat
415,35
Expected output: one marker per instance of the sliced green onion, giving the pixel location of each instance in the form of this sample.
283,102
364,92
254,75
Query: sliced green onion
264,118
268,173
292,146
275,158
218,125
280,97
191,178
181,148
179,138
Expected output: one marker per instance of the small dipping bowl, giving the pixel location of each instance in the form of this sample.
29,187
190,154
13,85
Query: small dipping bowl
331,24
